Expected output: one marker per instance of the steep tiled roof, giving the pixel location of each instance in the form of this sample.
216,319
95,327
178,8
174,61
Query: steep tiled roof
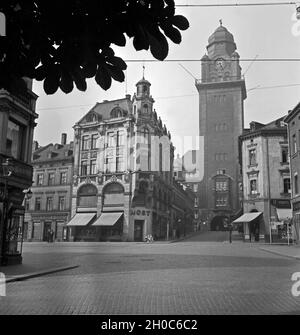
104,108
52,152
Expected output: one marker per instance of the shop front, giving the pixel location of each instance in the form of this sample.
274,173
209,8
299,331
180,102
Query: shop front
281,222
252,225
142,223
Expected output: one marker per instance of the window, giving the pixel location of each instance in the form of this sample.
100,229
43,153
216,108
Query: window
294,144
284,155
120,164
160,157
27,203
87,196
49,204
40,179
94,141
14,140
145,108
221,201
85,143
221,186
195,187
196,214
110,139
93,166
61,203
120,138
221,157
252,157
196,202
286,185
221,171
51,178
37,205
253,186
63,178
296,184
84,168
110,164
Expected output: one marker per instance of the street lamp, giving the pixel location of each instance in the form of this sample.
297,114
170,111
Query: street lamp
27,196
6,172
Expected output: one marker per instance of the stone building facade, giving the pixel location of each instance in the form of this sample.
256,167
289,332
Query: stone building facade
222,93
17,122
266,179
49,209
293,125
123,171
186,172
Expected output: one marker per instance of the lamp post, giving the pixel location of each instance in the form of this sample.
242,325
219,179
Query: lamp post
168,224
6,172
27,196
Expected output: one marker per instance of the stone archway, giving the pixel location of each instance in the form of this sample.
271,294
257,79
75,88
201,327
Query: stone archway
217,224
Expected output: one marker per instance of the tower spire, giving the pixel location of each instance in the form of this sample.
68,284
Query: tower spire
221,22
143,70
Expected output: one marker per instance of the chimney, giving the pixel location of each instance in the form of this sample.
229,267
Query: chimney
63,138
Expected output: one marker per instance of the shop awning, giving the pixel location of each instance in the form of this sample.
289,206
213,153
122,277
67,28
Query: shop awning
108,219
81,219
284,213
247,217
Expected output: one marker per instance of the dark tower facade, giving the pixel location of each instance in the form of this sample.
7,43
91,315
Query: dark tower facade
222,92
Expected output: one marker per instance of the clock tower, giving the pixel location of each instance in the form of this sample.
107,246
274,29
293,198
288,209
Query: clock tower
222,92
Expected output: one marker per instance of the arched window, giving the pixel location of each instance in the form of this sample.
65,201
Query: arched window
146,136
116,112
145,108
87,196
113,195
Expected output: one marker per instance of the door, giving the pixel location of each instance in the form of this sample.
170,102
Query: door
47,227
138,230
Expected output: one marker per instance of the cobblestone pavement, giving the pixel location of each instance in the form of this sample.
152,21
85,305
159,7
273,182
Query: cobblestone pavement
159,278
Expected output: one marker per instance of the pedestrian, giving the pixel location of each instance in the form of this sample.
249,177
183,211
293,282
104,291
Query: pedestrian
52,235
49,235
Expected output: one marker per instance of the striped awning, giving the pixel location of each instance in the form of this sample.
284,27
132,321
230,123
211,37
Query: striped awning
81,219
247,217
108,219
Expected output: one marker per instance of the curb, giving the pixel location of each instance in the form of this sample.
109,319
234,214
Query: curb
39,273
280,253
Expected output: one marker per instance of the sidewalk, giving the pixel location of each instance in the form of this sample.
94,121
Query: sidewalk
291,251
35,265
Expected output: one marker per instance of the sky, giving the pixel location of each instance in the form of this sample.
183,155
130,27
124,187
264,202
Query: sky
259,31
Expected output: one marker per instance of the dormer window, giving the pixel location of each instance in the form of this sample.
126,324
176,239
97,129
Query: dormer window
116,112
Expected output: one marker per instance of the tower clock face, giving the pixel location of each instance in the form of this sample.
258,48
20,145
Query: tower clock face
220,64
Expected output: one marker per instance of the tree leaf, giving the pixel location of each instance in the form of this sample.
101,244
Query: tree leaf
103,77
117,61
158,46
180,22
51,82
173,34
116,73
66,82
79,80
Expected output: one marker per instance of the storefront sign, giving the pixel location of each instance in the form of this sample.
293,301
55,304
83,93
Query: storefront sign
140,212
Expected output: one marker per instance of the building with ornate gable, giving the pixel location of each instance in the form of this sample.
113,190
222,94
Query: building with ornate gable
123,172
